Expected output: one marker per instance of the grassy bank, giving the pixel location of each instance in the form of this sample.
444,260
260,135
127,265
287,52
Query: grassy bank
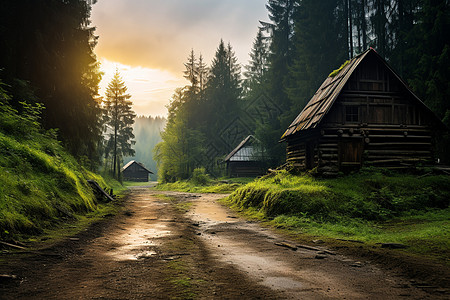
372,206
41,185
202,183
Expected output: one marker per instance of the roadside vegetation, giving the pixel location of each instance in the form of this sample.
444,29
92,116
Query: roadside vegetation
372,206
41,184
200,182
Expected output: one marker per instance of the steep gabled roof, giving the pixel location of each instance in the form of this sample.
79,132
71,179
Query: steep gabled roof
246,141
138,163
324,98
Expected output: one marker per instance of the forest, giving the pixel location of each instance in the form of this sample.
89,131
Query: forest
65,210
147,131
290,57
54,64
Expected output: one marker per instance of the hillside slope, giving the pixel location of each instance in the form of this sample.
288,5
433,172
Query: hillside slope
40,183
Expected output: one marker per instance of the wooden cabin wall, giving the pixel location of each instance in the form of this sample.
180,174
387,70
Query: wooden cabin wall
351,146
392,147
245,168
374,121
135,175
302,151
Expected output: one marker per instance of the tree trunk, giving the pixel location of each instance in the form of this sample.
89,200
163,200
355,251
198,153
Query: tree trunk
401,34
350,27
119,177
380,27
116,125
346,27
358,28
363,24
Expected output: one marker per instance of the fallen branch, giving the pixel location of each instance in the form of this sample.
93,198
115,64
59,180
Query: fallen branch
284,244
13,246
316,249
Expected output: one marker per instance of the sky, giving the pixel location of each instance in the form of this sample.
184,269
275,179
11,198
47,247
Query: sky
150,40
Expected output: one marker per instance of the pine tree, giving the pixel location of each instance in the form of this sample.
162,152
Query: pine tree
46,49
119,120
281,29
431,51
202,73
257,68
191,73
223,88
181,148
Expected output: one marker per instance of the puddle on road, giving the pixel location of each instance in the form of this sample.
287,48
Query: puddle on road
138,242
145,254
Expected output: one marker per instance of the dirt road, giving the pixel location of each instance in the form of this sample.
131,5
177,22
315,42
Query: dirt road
168,245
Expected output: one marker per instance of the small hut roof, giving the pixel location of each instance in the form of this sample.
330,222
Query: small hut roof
241,145
138,163
324,98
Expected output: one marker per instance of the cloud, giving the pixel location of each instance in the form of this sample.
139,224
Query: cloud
150,89
160,34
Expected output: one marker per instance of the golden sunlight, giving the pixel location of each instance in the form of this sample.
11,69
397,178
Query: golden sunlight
150,89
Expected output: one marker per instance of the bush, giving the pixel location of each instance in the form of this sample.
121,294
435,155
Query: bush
199,177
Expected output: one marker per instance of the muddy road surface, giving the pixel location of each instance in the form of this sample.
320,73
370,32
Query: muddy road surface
168,245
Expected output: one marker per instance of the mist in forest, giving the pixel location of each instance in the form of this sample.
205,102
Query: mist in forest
147,134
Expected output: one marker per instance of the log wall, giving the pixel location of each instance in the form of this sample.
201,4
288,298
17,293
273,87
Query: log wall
245,169
389,146
375,120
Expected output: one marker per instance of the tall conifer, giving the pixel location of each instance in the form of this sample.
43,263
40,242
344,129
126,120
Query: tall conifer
119,121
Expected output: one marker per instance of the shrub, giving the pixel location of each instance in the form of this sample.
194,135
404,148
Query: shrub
199,177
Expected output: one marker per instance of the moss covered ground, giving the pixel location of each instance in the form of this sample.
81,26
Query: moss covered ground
372,206
41,185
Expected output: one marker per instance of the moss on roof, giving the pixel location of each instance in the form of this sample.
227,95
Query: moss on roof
335,72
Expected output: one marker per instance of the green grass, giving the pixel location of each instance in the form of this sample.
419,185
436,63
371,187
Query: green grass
134,183
180,205
373,206
81,222
221,186
41,185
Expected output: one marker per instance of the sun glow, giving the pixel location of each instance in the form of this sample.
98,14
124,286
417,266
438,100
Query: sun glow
150,89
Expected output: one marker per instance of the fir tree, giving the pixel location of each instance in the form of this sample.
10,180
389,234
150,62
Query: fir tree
119,120
191,73
223,88
281,14
46,49
202,73
257,68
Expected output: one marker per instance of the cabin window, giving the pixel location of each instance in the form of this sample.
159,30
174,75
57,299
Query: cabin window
352,114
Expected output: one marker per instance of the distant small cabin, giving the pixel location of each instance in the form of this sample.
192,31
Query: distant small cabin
135,171
364,113
246,160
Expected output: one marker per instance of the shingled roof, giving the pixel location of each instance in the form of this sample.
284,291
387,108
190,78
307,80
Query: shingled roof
247,156
138,163
324,98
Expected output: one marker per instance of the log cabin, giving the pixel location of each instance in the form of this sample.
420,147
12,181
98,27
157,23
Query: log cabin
246,160
135,171
363,113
